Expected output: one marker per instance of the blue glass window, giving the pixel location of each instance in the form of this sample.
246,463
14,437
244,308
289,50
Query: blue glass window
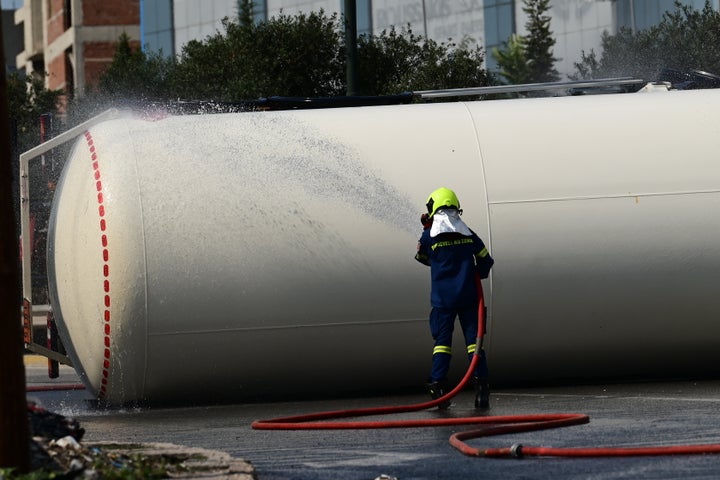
499,26
642,14
156,26
363,15
259,10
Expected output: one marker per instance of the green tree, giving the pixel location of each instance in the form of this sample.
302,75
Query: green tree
512,60
529,58
539,42
135,74
133,79
287,55
302,55
684,39
394,62
27,100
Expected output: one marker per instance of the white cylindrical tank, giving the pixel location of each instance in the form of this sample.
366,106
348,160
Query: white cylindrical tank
229,256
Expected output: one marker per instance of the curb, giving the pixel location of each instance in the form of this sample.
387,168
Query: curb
193,462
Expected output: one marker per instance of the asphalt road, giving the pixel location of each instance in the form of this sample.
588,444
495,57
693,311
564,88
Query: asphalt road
639,414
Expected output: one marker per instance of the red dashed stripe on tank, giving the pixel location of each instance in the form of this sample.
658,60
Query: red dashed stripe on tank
106,316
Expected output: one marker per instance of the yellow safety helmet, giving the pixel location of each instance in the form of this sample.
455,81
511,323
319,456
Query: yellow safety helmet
442,197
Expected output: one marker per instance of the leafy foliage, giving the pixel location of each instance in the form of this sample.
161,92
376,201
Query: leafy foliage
513,61
27,100
133,77
685,39
292,56
393,62
529,59
109,465
539,42
135,74
301,55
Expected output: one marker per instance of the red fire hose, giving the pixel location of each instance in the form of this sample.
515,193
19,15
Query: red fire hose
496,425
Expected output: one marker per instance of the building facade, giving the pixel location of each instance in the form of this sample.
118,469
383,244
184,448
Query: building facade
73,41
577,25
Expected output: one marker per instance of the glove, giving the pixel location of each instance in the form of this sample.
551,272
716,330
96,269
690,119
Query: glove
426,221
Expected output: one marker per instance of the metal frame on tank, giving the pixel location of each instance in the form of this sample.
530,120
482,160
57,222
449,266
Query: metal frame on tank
25,229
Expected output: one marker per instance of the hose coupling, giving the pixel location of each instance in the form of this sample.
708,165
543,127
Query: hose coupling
516,451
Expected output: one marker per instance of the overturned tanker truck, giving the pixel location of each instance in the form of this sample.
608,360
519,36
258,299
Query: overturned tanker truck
231,256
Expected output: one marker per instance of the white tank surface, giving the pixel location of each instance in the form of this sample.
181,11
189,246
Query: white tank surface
224,257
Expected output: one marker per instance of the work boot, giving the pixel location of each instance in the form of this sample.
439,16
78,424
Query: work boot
482,393
437,390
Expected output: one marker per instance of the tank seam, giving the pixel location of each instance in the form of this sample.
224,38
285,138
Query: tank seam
145,268
478,145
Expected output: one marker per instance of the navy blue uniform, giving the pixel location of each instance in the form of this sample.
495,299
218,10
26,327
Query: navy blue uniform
455,261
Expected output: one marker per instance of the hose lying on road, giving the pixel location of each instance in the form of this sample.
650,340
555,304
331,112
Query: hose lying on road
496,425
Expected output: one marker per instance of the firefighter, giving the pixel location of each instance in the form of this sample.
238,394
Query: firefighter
457,258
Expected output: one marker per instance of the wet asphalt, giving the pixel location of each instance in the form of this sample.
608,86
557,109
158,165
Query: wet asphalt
637,414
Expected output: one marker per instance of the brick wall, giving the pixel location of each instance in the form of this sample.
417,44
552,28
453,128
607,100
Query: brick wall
115,12
98,57
57,73
56,20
